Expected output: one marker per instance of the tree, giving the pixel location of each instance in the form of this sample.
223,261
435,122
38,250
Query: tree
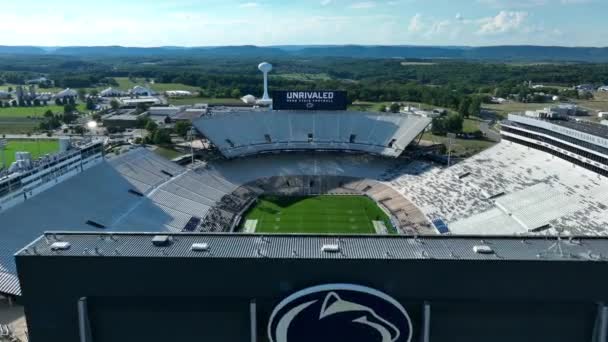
475,106
94,92
236,93
395,108
48,114
68,108
151,126
36,102
114,104
438,126
82,94
161,137
181,128
90,104
454,123
72,100
79,130
58,101
465,104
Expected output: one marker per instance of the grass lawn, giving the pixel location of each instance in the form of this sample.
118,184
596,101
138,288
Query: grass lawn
18,126
510,107
317,215
36,147
24,112
470,125
168,153
463,147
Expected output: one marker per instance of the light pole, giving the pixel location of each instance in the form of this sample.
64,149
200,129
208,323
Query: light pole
3,144
191,134
451,137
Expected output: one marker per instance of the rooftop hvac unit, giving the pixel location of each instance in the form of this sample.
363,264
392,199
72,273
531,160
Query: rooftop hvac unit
161,240
330,248
483,249
60,246
200,247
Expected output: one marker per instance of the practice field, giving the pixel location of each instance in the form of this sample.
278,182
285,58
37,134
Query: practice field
36,147
315,215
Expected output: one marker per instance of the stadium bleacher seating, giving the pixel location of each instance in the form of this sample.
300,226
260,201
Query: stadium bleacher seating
510,189
252,132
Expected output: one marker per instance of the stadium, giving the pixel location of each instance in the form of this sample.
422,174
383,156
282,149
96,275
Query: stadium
305,171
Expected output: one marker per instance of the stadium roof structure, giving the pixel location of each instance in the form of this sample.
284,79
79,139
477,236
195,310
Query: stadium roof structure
245,132
317,246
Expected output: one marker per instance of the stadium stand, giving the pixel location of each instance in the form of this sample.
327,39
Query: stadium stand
507,189
240,133
511,189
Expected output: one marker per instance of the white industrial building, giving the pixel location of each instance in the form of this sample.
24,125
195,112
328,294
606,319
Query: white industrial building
111,92
178,93
142,91
133,102
66,94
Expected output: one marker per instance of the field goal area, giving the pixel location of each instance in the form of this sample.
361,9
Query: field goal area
326,214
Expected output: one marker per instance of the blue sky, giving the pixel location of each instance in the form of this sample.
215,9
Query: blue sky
274,22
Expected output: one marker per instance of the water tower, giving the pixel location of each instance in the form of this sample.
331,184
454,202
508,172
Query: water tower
265,68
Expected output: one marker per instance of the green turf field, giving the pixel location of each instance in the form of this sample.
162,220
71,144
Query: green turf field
36,147
317,215
34,112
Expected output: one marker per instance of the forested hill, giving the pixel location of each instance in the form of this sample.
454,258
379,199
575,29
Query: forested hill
494,53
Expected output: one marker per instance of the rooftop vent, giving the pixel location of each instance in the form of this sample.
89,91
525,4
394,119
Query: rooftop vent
483,249
330,248
136,193
60,246
161,240
200,247
95,224
167,173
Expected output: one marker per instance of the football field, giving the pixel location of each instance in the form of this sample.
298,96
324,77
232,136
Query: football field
315,215
37,147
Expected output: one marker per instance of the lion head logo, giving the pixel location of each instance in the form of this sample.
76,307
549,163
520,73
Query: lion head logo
339,313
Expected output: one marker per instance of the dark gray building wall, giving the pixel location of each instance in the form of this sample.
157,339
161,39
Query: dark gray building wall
136,298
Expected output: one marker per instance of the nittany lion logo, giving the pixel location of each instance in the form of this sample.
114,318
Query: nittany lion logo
339,312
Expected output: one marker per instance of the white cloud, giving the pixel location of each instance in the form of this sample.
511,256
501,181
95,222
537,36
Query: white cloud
363,5
502,4
416,24
249,5
503,22
325,2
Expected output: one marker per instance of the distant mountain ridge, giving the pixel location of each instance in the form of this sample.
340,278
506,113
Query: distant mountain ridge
493,53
